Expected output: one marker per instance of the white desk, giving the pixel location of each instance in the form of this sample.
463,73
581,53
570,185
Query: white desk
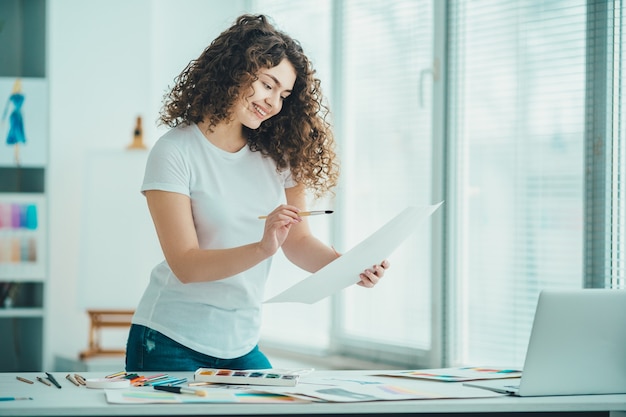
81,401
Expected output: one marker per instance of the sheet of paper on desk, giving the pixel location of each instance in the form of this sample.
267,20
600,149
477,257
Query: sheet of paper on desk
372,388
142,396
345,271
460,374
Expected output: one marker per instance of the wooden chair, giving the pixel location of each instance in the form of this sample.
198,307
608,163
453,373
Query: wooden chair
105,319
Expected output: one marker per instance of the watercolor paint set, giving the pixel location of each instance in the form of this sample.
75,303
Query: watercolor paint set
250,377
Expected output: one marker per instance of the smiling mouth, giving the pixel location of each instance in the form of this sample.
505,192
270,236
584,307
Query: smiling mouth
259,110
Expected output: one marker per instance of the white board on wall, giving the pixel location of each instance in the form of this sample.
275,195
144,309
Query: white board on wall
118,245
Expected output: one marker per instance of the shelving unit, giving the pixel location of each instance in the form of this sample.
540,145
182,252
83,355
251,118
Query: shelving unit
23,268
23,211
21,312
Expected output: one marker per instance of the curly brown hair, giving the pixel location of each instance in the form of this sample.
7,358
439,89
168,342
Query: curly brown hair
299,137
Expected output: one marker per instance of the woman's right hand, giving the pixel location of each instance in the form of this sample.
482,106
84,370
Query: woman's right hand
277,226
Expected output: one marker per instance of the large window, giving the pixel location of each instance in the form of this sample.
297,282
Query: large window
605,163
535,164
386,66
380,93
300,327
517,132
518,103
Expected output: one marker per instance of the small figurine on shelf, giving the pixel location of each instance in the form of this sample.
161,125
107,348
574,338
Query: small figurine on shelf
16,122
137,136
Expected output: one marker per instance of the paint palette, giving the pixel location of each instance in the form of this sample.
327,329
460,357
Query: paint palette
250,377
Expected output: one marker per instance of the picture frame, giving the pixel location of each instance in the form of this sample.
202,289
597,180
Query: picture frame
35,118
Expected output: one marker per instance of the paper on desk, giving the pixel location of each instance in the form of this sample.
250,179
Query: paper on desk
345,271
459,374
372,388
142,396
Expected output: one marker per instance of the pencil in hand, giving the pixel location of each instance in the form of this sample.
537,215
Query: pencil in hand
307,213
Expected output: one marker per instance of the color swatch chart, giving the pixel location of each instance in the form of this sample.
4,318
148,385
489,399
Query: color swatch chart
19,222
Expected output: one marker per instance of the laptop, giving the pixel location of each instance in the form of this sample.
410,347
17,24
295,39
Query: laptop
577,346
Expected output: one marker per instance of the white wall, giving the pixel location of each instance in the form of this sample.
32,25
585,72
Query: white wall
108,62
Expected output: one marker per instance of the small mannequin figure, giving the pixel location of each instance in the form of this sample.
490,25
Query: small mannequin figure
137,136
16,123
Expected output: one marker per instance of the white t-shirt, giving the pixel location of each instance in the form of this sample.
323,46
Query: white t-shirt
228,192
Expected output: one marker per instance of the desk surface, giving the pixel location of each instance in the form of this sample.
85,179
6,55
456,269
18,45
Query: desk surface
81,401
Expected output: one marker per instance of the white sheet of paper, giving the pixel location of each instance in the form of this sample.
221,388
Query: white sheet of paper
345,271
372,388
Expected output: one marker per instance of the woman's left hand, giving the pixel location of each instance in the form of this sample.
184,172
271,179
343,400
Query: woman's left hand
370,277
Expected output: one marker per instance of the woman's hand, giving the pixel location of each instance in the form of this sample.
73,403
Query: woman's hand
277,226
370,277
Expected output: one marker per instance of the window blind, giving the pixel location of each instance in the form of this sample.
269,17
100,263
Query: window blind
605,163
386,76
380,79
617,76
299,327
517,97
535,165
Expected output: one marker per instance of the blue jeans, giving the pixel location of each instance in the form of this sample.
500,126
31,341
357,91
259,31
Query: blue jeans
149,350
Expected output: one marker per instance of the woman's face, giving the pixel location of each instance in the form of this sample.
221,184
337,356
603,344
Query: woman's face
272,86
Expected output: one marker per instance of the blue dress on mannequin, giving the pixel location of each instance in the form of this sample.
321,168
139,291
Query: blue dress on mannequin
16,123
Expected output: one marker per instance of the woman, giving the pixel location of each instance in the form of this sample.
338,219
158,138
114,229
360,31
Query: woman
248,138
